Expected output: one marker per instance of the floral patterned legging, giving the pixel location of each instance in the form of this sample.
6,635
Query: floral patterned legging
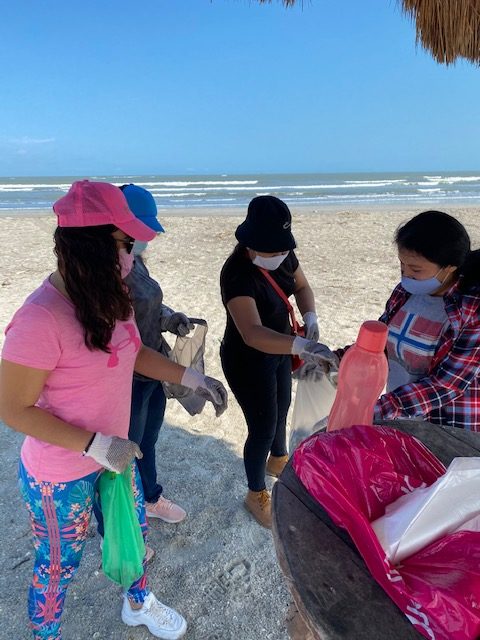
60,514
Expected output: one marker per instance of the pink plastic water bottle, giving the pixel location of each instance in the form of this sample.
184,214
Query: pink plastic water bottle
361,377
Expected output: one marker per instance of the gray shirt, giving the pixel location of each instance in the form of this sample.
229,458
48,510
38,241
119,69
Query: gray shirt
150,312
413,336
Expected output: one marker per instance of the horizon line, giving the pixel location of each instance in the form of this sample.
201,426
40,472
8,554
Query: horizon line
239,173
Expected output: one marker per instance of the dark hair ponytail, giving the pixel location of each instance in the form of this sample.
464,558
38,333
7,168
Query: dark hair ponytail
89,264
469,272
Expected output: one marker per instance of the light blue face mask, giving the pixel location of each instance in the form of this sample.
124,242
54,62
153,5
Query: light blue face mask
422,287
139,247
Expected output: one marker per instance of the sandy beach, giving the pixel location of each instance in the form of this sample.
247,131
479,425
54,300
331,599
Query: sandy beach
218,567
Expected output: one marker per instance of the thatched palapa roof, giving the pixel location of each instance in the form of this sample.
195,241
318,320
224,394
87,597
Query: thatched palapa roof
448,29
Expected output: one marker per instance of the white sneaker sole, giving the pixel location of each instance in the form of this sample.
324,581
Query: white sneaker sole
164,634
168,520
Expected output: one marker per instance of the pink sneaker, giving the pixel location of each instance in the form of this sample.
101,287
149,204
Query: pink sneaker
166,510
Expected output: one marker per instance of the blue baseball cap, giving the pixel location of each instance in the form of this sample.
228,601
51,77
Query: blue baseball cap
142,204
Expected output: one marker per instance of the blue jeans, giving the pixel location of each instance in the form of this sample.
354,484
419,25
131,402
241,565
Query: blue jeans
148,410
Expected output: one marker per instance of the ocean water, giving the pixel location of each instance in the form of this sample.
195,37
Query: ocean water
342,190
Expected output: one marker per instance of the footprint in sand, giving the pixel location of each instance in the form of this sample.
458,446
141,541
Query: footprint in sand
235,580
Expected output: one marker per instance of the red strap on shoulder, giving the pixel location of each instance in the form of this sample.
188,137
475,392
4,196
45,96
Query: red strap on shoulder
281,293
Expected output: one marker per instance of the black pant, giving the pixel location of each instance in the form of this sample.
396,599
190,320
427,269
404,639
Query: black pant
263,389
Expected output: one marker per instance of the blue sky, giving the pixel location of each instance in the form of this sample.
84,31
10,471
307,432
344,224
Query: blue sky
227,86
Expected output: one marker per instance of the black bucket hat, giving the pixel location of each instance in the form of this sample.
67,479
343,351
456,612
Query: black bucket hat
267,226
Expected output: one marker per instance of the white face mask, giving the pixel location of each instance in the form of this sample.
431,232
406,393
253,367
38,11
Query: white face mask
271,263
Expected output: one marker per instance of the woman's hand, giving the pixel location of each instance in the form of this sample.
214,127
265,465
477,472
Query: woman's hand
311,326
309,371
112,452
179,324
209,388
315,353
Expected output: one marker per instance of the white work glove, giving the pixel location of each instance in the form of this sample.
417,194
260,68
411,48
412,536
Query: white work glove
112,452
316,353
178,323
311,326
206,387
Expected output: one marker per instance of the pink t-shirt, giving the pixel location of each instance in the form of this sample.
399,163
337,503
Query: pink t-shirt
88,389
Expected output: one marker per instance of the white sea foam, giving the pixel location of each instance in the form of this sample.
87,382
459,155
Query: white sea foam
158,190
194,183
281,187
452,179
230,190
32,187
380,183
8,190
179,194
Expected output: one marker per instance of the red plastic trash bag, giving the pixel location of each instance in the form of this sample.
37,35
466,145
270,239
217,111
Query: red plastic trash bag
354,474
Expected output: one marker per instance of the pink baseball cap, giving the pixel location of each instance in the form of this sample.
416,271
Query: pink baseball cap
90,204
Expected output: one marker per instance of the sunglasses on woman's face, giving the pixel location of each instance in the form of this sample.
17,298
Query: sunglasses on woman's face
127,243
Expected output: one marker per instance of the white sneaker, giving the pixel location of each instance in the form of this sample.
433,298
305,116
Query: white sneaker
161,621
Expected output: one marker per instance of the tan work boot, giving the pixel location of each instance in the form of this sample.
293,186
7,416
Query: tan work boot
275,465
260,506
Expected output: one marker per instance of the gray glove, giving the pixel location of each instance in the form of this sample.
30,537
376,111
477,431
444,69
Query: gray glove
315,372
209,388
315,352
311,326
178,323
309,371
112,452
216,393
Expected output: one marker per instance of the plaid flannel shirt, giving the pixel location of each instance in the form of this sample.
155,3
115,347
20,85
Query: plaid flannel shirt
450,393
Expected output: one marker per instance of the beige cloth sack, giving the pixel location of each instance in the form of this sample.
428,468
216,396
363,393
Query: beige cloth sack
189,352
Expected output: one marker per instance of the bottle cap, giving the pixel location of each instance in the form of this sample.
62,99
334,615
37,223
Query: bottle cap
373,336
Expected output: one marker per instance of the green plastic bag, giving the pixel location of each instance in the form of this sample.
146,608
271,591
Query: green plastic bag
123,546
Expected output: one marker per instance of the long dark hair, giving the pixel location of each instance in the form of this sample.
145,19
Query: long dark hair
89,264
239,248
443,240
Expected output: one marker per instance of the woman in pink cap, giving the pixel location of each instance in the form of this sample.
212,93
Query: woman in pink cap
65,382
